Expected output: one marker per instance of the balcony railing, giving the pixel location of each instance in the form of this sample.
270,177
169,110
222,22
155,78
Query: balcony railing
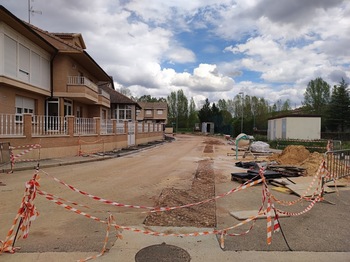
80,80
104,94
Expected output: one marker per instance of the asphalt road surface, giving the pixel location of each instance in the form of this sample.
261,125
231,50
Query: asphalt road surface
139,178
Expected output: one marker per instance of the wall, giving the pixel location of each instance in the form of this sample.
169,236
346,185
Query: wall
296,128
304,128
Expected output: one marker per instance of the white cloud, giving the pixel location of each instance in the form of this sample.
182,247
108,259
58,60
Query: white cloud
286,42
205,78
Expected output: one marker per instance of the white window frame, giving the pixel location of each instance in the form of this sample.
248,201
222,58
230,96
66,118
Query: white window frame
22,67
68,107
123,113
23,105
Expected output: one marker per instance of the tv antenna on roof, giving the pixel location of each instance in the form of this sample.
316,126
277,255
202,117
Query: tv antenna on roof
31,11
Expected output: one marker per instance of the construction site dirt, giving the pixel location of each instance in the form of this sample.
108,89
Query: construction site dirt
191,169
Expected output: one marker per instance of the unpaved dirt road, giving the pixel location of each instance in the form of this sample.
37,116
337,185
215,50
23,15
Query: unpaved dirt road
140,178
136,179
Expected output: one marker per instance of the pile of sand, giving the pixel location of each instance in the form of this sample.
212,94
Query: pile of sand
301,157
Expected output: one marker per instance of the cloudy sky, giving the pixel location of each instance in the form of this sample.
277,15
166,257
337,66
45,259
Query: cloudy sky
211,49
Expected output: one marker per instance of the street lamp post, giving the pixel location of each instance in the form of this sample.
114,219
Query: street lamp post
242,95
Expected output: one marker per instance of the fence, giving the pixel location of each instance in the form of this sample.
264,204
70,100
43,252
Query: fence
49,125
85,126
313,145
338,164
11,125
106,126
139,127
120,128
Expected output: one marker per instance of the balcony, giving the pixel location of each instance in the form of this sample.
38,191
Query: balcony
104,98
82,89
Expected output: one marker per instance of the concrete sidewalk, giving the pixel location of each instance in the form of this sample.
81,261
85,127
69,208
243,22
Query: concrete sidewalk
200,249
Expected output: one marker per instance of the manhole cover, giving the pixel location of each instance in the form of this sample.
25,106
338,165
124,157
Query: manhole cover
162,253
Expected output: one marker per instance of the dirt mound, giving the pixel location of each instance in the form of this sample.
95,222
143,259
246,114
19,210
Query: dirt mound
203,187
299,156
312,163
293,155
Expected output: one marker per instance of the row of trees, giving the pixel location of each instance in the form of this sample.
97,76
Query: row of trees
332,104
246,113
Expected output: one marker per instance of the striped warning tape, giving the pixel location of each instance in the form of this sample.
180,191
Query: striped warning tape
62,199
147,232
14,158
111,221
317,176
91,151
246,185
308,208
110,202
26,214
31,147
25,146
90,142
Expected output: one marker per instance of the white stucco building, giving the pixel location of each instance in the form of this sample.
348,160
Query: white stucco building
306,127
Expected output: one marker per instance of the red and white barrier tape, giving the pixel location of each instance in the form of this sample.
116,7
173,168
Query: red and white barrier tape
154,209
26,213
147,232
13,158
317,176
90,142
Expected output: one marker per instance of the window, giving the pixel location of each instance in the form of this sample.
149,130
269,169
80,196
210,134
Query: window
138,112
123,112
68,107
79,111
35,66
10,56
148,112
23,63
160,111
23,105
52,107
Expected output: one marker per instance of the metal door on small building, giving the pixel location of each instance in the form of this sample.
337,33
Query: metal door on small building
284,128
131,133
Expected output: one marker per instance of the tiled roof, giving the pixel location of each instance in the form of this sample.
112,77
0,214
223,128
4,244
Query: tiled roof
56,41
153,105
118,98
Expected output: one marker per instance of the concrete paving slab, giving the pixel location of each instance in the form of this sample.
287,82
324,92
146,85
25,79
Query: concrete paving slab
245,214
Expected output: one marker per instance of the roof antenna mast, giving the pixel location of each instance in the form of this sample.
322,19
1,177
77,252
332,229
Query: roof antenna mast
31,11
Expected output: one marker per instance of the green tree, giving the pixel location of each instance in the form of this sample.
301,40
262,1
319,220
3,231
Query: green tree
205,113
172,109
182,108
222,104
339,108
317,96
286,106
192,114
125,91
148,98
178,109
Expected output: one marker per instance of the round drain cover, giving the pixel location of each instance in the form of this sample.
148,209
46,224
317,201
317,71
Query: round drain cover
162,253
